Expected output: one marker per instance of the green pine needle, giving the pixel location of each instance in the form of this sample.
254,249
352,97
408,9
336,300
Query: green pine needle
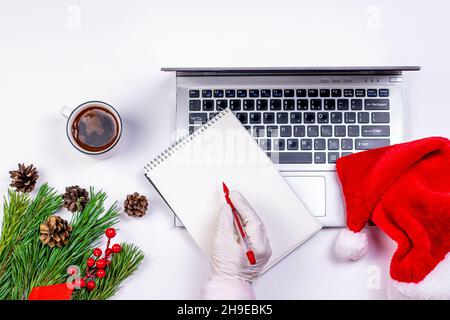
26,263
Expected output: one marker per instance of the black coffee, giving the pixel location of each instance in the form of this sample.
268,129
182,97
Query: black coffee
95,129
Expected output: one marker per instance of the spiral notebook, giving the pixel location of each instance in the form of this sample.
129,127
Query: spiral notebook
189,174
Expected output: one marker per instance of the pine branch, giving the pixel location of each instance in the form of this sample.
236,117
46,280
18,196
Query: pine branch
123,265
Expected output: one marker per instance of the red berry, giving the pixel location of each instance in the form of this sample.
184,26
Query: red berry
116,248
110,233
108,252
90,285
90,262
72,271
101,264
101,273
97,252
82,283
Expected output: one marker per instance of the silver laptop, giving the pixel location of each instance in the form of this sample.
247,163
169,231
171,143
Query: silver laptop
304,118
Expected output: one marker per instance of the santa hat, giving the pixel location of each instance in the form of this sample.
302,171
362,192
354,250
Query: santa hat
405,190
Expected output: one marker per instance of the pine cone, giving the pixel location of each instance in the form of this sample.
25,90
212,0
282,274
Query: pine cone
135,205
24,178
75,198
55,231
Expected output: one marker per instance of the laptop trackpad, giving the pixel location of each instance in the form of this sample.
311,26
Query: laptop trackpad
311,189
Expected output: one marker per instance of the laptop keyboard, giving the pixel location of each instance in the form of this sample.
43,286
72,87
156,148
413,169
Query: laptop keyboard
302,125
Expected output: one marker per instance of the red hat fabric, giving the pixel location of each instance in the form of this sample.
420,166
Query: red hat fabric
405,190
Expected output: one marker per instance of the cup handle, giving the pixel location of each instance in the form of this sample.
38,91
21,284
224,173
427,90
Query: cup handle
66,111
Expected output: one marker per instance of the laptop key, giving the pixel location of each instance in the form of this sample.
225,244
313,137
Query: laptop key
375,131
269,117
296,117
291,157
348,92
265,144
288,93
366,144
292,144
301,93
242,93
218,93
332,157
288,104
243,117
383,93
376,104
253,93
347,144
319,144
336,93
315,104
248,105
372,92
320,157
230,93
326,131
350,117
360,92
195,105
198,118
313,93
313,131
340,131
342,104
353,131
282,117
235,105
262,104
285,131
272,131
336,117
299,131
363,117
324,93
323,117
194,93
329,104
278,144
380,117
265,93
309,117
208,105
356,104
255,118
206,93
333,144
212,115
343,154
275,104
221,104
259,131
302,104
192,129
306,144
277,93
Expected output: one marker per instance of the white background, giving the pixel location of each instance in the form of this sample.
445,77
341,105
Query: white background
55,53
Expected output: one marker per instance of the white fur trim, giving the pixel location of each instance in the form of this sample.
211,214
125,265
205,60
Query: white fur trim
351,245
227,289
435,286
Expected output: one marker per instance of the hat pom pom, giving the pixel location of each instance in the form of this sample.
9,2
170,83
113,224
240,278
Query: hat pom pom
351,245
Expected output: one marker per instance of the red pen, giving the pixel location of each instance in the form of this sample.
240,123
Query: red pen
249,251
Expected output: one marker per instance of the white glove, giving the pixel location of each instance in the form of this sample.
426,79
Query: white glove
231,272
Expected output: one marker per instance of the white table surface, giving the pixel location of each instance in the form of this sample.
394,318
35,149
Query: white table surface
55,53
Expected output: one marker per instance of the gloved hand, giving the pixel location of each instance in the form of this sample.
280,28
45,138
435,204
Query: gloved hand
231,272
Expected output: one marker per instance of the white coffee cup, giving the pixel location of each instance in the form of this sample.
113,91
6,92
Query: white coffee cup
71,114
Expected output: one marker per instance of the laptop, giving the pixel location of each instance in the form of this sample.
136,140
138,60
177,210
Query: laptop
303,118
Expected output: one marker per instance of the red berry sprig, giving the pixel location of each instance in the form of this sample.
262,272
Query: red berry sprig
96,267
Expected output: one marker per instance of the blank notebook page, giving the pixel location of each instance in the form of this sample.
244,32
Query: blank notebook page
189,177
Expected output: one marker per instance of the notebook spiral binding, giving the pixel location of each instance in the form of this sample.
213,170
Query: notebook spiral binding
174,147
